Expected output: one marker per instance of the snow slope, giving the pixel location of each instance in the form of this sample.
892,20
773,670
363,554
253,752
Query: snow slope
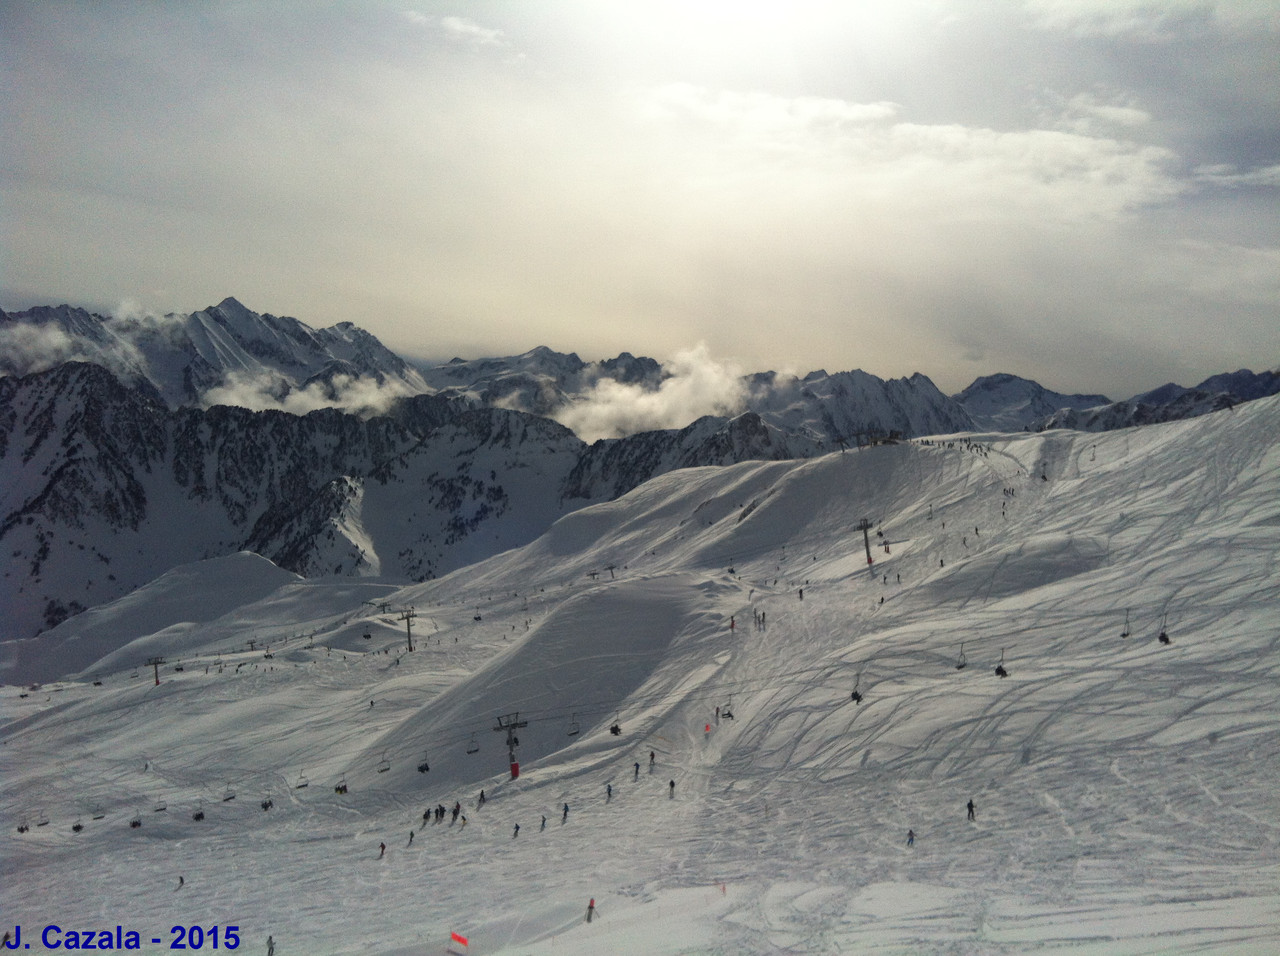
1125,788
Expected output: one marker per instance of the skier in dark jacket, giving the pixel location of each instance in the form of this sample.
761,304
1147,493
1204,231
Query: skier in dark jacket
971,809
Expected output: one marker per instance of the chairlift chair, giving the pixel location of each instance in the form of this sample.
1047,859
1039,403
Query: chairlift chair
854,695
199,814
424,766
161,806
573,726
727,710
384,765
42,820
473,747
77,827
229,795
268,803
1164,634
23,827
1000,671
135,823
961,661
302,783
98,813
341,785
1125,632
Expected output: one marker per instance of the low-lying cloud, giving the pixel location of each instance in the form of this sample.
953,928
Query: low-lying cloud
696,385
358,395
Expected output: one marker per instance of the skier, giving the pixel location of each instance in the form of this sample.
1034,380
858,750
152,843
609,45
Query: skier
651,759
516,833
382,850
671,795
544,824
181,882
717,716
608,792
457,808
802,594
565,817
733,623
911,838
637,776
971,809
464,822
591,909
410,843
271,946
480,802
426,814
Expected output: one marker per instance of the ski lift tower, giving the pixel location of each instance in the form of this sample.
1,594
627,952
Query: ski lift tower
154,663
407,615
511,723
865,526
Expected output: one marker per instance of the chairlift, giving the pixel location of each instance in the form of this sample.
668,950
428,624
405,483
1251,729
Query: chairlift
727,710
384,765
1000,671
161,806
135,823
961,661
229,795
616,727
199,814
268,803
42,820
98,813
854,695
302,782
341,785
424,766
1164,634
473,747
1125,632
573,726
77,827
23,827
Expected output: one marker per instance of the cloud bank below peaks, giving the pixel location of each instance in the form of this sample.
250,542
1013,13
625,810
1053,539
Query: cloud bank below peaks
357,394
696,385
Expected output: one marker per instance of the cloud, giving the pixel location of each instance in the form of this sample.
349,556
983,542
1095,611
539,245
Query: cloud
358,395
697,385
1230,176
29,348
462,30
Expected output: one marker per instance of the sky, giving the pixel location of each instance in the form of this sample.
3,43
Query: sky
1082,192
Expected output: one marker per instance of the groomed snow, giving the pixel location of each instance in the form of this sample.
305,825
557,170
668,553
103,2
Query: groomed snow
1125,789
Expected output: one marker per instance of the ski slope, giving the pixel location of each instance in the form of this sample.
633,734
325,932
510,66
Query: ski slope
1125,789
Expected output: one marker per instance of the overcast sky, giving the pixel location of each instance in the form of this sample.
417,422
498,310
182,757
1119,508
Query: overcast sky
1083,192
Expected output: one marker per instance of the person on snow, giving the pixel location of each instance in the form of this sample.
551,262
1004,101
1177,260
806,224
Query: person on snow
544,824
382,850
637,776
608,792
971,809
672,792
457,808
591,909
565,815
911,838
516,832
480,802
651,759
464,822
410,843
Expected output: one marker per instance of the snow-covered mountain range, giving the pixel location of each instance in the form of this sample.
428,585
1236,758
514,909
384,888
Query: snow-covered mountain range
1122,771
188,437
